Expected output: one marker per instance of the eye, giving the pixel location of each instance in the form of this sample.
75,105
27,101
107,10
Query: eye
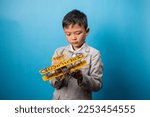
78,33
68,34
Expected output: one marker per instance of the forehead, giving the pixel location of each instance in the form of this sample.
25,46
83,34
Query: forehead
75,27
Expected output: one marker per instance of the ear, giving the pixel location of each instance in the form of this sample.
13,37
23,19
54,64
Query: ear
87,31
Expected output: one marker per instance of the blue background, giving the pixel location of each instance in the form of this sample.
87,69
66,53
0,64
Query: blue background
30,31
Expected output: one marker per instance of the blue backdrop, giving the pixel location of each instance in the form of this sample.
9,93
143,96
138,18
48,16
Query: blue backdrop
30,31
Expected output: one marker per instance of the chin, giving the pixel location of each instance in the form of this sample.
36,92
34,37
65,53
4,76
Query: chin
75,45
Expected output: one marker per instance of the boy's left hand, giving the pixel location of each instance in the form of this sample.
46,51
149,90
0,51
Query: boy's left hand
77,75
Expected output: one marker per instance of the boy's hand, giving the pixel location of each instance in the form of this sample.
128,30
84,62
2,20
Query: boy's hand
77,75
66,72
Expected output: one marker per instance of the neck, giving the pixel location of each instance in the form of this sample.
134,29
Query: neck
77,47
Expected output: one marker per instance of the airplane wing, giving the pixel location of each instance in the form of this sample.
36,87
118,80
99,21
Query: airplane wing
60,74
62,64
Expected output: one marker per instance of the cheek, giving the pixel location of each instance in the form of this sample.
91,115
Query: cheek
82,37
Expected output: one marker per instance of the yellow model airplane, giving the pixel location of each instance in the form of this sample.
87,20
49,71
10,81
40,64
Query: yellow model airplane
56,70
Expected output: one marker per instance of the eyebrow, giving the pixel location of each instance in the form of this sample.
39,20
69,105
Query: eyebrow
74,31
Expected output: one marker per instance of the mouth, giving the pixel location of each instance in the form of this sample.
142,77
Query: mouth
74,42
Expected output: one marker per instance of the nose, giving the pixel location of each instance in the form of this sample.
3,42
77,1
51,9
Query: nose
73,37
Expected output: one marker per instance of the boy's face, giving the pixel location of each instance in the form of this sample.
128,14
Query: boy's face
76,35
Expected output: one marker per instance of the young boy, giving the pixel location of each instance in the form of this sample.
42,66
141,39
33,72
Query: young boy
80,84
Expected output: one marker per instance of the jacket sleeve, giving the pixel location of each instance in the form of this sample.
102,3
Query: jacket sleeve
93,80
54,82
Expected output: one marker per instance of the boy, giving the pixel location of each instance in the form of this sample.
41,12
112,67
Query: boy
80,84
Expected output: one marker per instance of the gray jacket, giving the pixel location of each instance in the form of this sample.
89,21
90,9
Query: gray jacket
69,88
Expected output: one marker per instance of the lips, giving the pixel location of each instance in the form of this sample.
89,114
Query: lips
74,42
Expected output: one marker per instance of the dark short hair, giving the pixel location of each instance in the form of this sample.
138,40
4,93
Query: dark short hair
75,17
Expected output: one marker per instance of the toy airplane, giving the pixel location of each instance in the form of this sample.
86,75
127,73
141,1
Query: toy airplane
57,70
